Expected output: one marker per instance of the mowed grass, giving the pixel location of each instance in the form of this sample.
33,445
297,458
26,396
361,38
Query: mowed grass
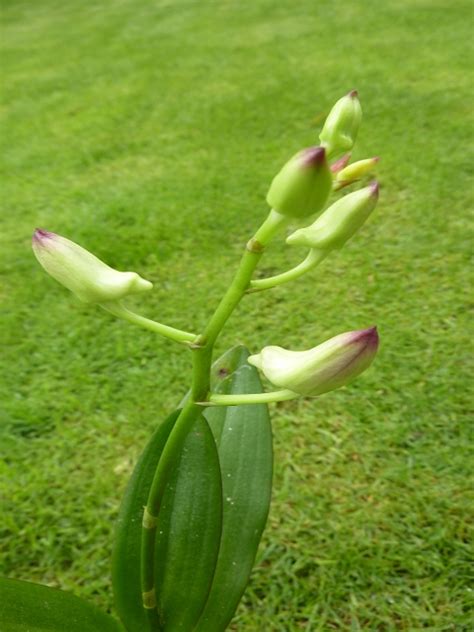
149,132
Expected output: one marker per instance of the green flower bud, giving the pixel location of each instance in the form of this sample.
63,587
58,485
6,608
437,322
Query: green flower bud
81,272
328,366
342,124
356,171
339,222
303,185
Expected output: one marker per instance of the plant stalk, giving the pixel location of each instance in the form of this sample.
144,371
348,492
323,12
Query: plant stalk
202,348
313,258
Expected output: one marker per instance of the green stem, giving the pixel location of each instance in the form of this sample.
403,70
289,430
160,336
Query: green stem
270,226
235,292
202,347
205,342
119,310
160,479
314,257
251,398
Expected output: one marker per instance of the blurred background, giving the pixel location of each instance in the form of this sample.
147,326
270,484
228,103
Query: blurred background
149,133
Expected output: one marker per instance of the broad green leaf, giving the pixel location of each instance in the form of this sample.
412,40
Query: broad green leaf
244,439
189,532
189,528
27,607
126,554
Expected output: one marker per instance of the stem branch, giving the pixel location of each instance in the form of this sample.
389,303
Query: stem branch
313,258
250,398
178,335
172,447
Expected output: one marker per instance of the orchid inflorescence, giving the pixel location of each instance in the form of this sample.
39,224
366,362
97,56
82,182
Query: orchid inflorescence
299,191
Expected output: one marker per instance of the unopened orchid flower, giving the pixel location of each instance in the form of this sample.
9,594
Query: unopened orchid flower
328,366
89,278
302,186
355,171
342,124
339,222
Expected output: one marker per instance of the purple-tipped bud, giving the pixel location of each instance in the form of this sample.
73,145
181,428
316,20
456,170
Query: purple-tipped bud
341,163
40,236
374,188
80,271
313,156
328,366
342,124
303,185
339,222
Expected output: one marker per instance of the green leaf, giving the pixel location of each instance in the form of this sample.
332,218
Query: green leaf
27,607
126,554
244,438
188,535
191,589
189,531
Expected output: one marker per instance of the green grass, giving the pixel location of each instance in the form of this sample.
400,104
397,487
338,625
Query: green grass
149,132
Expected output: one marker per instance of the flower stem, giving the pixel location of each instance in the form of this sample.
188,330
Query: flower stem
119,310
202,348
270,226
312,260
172,447
251,398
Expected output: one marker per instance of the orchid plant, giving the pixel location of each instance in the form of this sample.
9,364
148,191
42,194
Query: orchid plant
196,504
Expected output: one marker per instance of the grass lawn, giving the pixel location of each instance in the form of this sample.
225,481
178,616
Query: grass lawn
148,132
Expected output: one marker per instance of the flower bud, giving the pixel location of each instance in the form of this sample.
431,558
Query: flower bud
339,222
356,171
342,124
303,185
81,272
340,163
328,366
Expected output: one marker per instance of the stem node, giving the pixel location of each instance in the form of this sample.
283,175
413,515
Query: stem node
149,521
253,245
149,599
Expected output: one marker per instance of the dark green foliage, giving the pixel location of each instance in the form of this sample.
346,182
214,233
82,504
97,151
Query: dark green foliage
244,439
27,607
127,541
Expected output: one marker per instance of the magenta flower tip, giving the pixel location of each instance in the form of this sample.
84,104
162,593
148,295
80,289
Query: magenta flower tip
370,336
373,333
353,93
341,163
314,156
374,187
40,235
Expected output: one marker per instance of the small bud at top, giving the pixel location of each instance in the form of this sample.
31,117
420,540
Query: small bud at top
81,272
303,185
328,366
342,124
339,222
356,171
